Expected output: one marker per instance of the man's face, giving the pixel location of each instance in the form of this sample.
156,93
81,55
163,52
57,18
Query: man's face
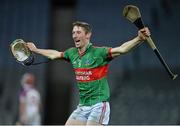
80,37
28,79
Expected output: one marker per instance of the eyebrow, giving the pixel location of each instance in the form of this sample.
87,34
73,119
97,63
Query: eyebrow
76,31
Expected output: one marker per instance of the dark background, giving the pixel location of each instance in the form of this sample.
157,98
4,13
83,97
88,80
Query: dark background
141,91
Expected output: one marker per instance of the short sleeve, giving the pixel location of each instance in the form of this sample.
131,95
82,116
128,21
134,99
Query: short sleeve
65,55
68,54
106,53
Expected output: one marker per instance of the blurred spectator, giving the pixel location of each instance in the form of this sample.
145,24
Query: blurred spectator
30,102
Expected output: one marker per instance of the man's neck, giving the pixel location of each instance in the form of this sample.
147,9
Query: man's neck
83,49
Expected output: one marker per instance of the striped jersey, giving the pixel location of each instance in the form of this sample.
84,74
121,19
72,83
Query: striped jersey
91,69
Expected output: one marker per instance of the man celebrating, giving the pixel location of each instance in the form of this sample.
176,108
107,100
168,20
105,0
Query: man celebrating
91,66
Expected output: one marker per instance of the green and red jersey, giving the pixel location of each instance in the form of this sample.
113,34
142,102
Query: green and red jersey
91,69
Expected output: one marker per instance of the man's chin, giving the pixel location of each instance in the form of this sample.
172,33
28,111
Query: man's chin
77,46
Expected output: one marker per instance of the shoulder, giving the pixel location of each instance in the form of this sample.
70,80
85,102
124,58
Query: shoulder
101,48
68,53
71,49
103,51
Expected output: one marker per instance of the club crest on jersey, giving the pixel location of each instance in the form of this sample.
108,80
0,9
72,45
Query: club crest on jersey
87,63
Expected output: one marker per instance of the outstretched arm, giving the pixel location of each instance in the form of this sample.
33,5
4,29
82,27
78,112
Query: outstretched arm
49,53
129,45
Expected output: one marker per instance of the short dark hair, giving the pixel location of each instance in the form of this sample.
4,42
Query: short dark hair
84,25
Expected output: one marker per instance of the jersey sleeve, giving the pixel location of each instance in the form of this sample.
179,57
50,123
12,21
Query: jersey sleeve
68,54
65,55
106,53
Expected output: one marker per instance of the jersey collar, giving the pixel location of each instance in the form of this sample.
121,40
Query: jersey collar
87,48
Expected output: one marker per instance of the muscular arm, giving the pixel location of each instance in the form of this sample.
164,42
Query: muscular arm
49,53
125,47
129,45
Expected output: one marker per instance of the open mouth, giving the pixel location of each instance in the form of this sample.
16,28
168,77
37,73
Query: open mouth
77,41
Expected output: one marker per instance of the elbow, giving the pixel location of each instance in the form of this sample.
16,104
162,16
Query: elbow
123,51
52,57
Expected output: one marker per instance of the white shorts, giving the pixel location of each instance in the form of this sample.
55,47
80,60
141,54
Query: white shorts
98,113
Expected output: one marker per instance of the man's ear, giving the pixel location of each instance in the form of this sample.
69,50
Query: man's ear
88,35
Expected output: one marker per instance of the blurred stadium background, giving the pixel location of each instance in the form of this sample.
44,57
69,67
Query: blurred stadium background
141,91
